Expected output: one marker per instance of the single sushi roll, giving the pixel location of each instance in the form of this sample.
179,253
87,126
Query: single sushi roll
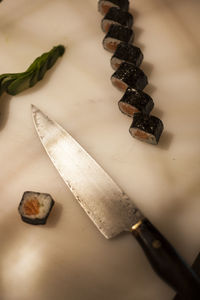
134,101
126,52
115,35
146,128
116,16
35,208
127,75
105,5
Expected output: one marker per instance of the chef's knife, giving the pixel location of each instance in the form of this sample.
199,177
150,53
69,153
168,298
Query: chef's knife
109,207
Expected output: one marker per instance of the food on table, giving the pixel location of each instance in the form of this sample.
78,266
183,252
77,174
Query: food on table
105,5
115,35
126,52
35,207
146,128
127,75
14,83
135,101
116,16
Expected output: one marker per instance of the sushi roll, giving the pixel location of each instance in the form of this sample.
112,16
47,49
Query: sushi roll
126,53
115,35
135,101
116,16
146,128
105,5
127,75
34,208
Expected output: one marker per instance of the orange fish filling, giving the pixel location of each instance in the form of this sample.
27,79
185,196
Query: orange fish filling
116,66
112,45
130,110
105,8
141,134
31,207
107,26
120,84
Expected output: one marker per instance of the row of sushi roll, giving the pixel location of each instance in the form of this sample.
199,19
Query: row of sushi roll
126,59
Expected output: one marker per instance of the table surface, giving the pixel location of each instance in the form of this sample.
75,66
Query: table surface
68,258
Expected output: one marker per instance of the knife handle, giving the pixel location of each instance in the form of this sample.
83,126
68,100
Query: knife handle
166,262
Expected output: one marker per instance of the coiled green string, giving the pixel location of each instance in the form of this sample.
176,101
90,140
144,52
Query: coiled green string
15,83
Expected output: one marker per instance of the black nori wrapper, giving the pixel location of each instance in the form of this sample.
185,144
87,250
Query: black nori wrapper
131,75
128,53
137,99
36,221
119,33
116,15
149,124
122,4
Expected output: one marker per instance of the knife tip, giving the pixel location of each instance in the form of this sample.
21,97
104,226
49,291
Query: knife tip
35,110
33,107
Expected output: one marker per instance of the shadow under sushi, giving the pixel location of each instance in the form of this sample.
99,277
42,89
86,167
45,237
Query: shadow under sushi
165,140
157,112
150,89
137,33
147,68
54,216
134,12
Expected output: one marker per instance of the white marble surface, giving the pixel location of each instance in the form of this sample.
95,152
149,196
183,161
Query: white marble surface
68,258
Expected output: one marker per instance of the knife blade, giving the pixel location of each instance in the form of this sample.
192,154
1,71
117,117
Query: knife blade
109,207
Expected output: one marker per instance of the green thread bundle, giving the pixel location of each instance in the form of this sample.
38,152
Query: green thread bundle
15,83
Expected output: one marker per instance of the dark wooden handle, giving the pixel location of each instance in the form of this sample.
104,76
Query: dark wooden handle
166,262
196,268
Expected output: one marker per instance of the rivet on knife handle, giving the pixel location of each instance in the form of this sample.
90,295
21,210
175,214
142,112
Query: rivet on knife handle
166,262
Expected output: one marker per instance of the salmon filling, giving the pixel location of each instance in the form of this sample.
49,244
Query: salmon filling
31,207
116,66
141,134
105,8
128,109
107,26
115,63
112,45
119,84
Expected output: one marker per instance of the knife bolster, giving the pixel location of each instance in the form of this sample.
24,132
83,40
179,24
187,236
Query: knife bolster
136,225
